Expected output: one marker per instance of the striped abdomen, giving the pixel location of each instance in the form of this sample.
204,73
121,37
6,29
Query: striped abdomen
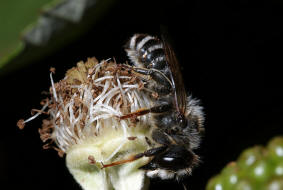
147,52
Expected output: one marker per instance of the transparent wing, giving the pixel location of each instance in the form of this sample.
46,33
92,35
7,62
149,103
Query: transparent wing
176,78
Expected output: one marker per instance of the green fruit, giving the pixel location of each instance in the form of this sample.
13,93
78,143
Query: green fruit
230,175
275,148
245,184
278,169
274,184
215,183
250,156
257,168
260,171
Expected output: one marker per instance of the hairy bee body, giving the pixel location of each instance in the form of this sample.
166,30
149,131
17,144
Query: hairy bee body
148,52
176,117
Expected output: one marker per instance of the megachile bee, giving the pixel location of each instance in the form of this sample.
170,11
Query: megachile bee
177,118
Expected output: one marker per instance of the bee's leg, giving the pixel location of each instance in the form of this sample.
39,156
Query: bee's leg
147,153
158,76
162,107
161,137
163,83
134,114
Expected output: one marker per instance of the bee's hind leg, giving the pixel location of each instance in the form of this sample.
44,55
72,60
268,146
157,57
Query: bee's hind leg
159,77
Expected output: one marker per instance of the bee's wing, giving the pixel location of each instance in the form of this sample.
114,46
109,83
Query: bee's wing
176,78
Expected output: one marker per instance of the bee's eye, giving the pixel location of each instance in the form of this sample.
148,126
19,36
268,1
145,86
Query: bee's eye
176,157
168,159
174,163
169,162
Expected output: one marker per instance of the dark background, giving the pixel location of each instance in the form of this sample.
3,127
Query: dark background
230,53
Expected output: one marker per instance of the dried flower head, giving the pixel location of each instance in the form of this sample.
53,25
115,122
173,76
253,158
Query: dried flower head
84,110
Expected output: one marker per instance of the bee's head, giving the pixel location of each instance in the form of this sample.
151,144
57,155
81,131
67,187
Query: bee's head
175,162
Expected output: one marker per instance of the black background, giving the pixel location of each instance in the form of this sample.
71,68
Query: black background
229,51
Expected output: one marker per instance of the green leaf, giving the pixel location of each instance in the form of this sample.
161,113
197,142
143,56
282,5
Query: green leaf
33,29
15,15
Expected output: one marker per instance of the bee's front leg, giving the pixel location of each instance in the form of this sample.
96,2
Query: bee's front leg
147,153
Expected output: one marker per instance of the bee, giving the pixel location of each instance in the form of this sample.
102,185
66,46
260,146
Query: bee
177,118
